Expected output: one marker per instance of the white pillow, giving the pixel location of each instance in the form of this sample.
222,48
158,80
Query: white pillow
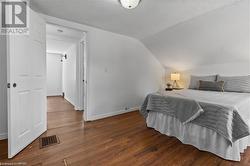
236,83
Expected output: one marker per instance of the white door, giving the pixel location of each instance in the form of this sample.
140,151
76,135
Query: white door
27,103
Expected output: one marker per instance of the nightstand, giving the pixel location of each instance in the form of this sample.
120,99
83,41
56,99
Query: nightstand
178,88
171,89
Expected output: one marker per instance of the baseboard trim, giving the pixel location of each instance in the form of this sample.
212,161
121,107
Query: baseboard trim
3,136
78,108
110,114
54,96
68,100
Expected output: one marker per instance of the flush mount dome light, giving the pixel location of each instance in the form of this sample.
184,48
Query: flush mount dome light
130,4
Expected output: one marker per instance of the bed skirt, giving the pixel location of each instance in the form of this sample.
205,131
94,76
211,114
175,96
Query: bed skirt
200,137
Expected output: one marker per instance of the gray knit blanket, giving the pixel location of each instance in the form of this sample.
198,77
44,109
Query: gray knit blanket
222,119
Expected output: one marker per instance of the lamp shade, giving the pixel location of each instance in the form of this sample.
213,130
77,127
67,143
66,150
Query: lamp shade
130,4
175,76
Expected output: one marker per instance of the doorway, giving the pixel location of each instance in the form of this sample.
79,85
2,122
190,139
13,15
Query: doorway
65,64
65,75
27,78
65,49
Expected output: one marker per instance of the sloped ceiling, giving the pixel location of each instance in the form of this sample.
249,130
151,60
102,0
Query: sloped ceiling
149,18
180,33
218,37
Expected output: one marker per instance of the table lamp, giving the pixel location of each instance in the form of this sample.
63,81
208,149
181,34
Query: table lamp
175,77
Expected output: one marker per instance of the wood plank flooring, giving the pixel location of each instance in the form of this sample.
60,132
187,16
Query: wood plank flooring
119,140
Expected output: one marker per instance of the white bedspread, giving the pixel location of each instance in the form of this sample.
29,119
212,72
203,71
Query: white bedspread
239,101
201,137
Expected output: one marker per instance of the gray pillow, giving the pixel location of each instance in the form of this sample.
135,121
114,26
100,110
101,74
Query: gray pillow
194,80
212,85
236,83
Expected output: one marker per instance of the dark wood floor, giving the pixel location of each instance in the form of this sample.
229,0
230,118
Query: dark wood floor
119,140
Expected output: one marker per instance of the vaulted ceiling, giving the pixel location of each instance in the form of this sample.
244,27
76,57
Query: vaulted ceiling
180,33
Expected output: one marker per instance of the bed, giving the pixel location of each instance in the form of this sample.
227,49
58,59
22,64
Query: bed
217,122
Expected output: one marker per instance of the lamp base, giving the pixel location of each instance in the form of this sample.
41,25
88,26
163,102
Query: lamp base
175,84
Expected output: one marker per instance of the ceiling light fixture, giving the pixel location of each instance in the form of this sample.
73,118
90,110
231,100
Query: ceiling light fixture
130,4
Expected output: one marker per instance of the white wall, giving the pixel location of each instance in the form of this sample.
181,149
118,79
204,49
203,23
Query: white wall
226,69
121,71
69,74
54,74
3,88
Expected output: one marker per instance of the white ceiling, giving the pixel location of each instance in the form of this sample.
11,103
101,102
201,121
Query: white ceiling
67,32
218,37
60,42
180,33
149,18
57,45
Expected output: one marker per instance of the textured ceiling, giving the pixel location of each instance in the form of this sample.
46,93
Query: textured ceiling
149,18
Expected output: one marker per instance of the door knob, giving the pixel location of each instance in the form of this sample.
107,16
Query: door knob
14,85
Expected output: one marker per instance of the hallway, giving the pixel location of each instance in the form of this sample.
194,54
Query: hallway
61,113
